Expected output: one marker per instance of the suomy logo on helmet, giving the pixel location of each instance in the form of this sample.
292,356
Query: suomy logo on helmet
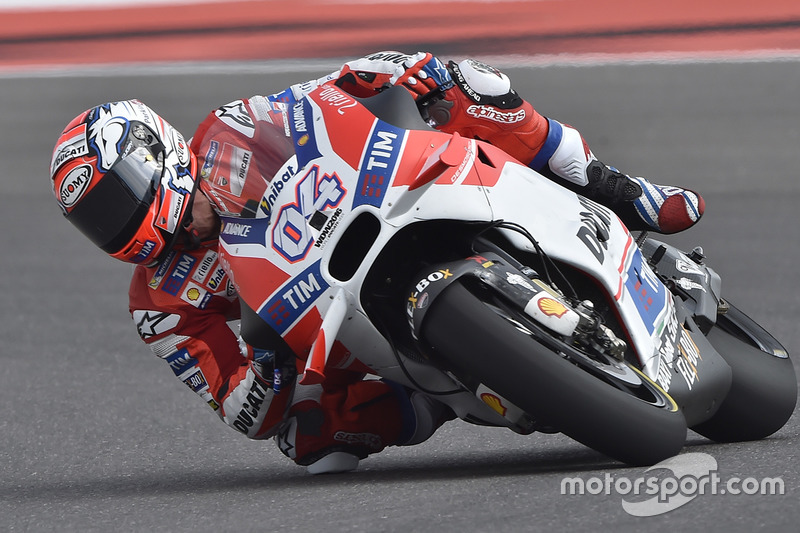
74,185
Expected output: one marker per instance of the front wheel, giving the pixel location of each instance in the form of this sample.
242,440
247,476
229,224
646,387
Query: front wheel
496,345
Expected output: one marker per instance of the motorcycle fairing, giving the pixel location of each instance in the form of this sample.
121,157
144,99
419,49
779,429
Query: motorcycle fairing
378,168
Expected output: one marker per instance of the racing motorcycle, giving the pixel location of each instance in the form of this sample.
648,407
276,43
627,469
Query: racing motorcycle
443,264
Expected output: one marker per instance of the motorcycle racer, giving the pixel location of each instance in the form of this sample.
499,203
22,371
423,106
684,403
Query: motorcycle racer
129,182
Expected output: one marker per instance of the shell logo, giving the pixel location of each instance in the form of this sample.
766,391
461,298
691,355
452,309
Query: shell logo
193,294
494,402
551,307
302,140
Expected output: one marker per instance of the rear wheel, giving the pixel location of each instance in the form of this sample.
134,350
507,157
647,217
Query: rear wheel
614,410
763,392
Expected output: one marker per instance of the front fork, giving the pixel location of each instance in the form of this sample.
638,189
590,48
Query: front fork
522,289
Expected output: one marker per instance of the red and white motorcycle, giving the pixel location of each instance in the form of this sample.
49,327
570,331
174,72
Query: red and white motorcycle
441,263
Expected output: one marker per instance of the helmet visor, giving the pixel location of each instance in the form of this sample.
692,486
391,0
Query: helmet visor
111,213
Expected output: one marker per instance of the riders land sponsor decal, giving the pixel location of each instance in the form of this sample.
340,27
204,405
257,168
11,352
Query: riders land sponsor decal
648,293
144,253
196,295
678,355
209,159
552,314
370,440
292,236
216,279
155,281
293,298
262,109
387,56
419,297
495,115
239,167
239,231
551,307
74,184
236,116
73,146
689,285
247,405
305,143
595,223
493,401
153,323
171,210
666,352
379,163
336,98
522,281
202,270
329,228
181,361
180,272
687,364
196,381
687,266
276,185
184,366
499,404
462,172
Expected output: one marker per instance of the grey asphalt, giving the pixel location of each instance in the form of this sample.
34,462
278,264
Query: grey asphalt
98,435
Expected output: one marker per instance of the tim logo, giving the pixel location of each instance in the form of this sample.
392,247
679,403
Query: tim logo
291,236
379,164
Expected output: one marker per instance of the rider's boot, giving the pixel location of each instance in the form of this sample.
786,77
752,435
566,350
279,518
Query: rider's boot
642,205
330,432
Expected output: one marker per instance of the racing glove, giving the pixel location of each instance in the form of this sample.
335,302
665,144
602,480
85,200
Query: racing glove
420,73
481,104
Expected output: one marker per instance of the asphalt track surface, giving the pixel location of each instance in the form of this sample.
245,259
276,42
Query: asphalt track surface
97,435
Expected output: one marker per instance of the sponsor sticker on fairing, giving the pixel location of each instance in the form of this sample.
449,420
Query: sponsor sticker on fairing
649,295
294,298
379,164
552,314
